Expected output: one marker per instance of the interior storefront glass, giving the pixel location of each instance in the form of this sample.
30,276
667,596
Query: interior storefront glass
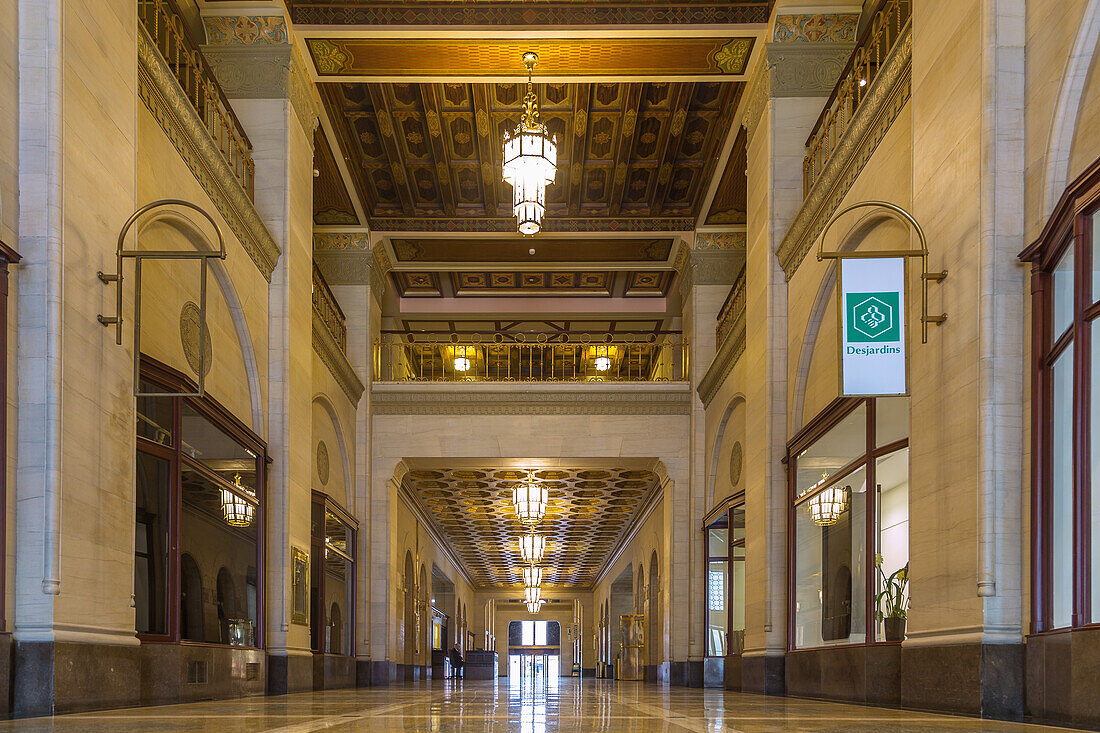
737,580
717,591
208,444
154,416
830,570
1062,293
1061,505
151,544
892,479
339,577
845,442
218,567
1094,418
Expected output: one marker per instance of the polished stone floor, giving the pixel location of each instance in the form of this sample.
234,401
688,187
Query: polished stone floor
594,705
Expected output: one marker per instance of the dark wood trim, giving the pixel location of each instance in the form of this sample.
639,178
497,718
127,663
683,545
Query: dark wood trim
8,256
833,413
1070,225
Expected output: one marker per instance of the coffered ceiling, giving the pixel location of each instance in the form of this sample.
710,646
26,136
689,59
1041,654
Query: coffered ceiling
592,506
631,156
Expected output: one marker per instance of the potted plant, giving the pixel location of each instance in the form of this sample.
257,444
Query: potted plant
892,602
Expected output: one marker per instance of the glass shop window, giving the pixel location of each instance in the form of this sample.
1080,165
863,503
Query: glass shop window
717,587
199,478
850,520
1065,501
736,637
332,585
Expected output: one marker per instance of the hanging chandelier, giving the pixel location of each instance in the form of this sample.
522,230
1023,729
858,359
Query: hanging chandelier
532,575
235,508
530,500
532,594
826,507
535,607
530,159
462,359
531,548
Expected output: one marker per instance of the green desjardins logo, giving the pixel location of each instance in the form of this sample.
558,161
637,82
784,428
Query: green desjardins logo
874,317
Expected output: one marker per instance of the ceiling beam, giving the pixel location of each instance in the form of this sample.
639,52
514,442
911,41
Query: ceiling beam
672,136
631,107
399,168
578,130
429,99
483,127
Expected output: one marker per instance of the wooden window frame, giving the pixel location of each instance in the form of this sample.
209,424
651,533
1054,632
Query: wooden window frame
317,544
1070,226
8,256
170,379
825,421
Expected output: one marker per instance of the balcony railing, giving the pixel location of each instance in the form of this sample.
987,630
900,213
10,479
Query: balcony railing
536,358
164,23
328,310
732,309
874,45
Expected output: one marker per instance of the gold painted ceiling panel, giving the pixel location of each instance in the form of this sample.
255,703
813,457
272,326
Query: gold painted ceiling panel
590,510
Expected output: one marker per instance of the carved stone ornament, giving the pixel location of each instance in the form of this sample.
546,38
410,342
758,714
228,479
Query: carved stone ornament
190,327
322,462
736,464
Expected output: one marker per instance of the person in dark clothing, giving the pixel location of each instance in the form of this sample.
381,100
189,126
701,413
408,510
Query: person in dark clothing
456,662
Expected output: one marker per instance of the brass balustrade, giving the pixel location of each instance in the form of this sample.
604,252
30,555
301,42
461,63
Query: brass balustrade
732,309
495,357
326,307
855,81
164,23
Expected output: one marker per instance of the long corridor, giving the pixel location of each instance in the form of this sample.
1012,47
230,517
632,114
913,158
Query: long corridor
592,705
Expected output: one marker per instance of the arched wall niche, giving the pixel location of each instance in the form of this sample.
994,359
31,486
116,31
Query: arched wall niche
331,465
731,432
1074,139
167,285
817,375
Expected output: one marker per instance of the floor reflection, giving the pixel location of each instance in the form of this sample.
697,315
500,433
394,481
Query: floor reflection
522,705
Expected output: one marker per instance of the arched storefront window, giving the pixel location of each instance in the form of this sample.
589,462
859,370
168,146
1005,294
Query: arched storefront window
1065,466
198,531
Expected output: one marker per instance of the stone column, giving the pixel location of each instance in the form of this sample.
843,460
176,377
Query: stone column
265,80
706,276
784,99
72,618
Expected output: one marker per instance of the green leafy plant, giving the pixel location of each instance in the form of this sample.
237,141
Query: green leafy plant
892,601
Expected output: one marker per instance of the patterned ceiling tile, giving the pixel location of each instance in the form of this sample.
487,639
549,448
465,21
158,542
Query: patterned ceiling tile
331,202
631,157
586,518
517,250
529,12
730,203
472,58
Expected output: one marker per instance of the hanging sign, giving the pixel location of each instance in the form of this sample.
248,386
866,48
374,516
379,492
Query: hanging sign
872,326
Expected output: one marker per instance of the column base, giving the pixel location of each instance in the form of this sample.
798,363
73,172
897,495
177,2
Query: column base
288,673
973,679
763,674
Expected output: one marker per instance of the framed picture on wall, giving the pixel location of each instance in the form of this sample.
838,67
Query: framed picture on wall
299,589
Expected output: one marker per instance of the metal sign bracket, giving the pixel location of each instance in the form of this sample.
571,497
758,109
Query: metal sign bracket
139,256
925,276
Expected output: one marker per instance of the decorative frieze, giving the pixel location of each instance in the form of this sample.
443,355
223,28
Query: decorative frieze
805,69
245,30
729,353
341,241
166,101
720,240
556,401
816,28
326,347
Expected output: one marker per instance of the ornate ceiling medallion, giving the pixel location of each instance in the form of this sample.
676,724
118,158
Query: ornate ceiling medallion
530,159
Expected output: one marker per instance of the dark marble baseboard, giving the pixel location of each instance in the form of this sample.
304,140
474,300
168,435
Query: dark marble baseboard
686,674
1063,677
333,672
383,672
732,678
289,673
974,679
650,673
64,677
363,673
588,672
864,674
764,675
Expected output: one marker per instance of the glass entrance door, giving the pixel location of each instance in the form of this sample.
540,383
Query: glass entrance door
527,667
